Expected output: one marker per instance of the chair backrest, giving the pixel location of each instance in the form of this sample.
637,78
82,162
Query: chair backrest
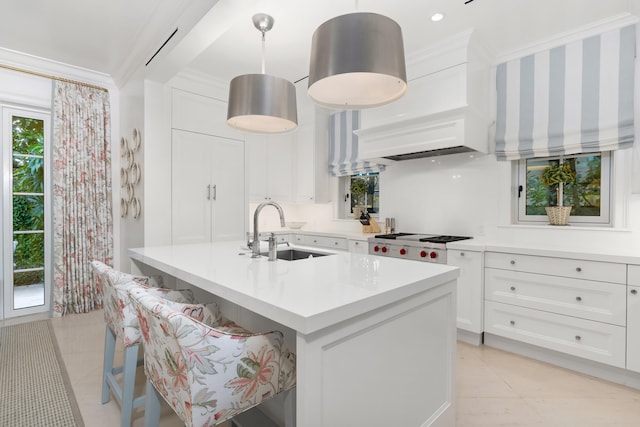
118,313
209,373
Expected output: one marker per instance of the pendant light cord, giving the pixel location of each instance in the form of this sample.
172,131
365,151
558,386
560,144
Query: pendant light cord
264,71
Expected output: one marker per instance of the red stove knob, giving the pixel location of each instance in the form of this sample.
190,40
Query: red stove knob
384,249
423,254
376,248
433,255
403,251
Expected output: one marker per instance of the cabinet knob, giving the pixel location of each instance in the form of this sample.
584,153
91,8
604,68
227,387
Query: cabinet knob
578,298
315,241
335,243
578,269
357,243
578,337
513,288
512,322
634,291
461,253
512,262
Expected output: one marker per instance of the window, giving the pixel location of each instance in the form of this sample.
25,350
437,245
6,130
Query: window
361,192
25,213
589,194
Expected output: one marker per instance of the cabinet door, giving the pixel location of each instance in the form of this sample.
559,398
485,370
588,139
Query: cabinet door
256,166
280,167
305,164
633,328
470,289
190,187
358,246
227,191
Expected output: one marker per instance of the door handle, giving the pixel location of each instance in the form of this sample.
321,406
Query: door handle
209,192
215,192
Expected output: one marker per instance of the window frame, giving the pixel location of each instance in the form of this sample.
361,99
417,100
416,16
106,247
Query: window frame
345,195
606,192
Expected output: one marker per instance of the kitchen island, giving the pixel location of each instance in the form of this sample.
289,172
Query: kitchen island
375,337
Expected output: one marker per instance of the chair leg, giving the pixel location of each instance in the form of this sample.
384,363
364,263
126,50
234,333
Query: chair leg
109,351
151,406
290,408
128,383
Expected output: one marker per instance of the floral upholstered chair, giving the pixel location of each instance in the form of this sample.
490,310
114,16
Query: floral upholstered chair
207,368
122,324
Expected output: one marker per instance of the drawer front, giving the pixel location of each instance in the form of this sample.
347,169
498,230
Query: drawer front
322,241
565,267
587,299
591,340
358,246
633,275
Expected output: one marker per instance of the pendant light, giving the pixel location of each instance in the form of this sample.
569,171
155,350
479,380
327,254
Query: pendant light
357,61
259,102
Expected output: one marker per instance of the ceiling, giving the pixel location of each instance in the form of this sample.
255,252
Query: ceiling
106,36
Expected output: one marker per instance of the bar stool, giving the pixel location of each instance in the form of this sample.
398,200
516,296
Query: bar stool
122,324
207,368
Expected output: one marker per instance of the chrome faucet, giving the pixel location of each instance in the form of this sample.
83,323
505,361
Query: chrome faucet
255,245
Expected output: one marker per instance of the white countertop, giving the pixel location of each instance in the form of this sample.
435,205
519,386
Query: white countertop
305,295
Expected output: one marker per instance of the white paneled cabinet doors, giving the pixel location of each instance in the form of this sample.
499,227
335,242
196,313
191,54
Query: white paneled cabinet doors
207,188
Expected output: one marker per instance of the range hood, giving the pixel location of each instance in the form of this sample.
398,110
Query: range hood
445,110
458,130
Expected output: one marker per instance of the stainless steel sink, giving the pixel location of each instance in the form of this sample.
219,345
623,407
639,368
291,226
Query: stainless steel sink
296,254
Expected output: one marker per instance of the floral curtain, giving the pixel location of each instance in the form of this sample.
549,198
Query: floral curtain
82,207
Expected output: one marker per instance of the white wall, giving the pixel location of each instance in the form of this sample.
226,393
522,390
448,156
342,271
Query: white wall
131,116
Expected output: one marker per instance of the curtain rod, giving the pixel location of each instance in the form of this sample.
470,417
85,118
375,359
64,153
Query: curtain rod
49,76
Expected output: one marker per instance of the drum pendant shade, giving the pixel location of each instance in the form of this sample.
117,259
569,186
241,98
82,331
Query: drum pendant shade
357,61
262,103
259,102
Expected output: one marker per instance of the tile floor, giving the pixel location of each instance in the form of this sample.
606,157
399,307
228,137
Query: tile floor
494,388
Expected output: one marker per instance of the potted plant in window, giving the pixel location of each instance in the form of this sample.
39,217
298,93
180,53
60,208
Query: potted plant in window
558,174
358,190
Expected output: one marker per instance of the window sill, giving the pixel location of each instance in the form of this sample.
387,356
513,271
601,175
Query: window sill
566,227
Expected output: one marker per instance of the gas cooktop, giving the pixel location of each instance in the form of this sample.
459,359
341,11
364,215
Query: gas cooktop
415,237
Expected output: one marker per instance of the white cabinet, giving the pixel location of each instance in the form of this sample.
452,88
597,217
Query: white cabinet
311,164
270,167
207,188
339,243
573,306
201,114
470,289
633,318
358,246
597,341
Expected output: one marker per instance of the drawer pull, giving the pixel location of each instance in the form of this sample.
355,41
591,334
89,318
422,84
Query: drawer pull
578,269
512,262
513,288
578,337
512,322
634,291
578,298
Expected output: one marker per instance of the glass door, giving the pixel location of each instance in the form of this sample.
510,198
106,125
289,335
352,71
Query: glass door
25,212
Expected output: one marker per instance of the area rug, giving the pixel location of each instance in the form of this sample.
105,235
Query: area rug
34,385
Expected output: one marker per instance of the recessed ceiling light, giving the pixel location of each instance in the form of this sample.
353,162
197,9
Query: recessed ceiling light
437,17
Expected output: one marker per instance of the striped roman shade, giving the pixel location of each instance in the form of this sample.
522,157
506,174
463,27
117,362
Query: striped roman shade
576,98
343,146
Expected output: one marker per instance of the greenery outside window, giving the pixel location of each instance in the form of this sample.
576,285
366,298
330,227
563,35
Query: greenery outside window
589,194
361,191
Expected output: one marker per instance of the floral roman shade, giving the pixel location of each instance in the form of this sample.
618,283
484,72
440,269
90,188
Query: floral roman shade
575,98
343,146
